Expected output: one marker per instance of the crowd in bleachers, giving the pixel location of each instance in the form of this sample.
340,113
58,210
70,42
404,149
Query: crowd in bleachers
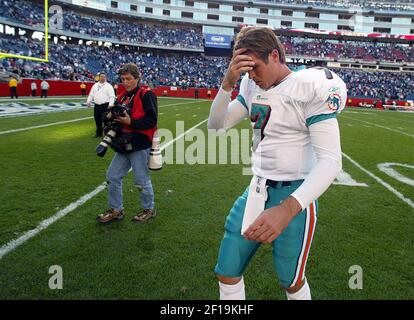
80,62
133,32
138,33
393,5
390,85
367,51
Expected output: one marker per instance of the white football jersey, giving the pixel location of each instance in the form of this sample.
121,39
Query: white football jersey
281,116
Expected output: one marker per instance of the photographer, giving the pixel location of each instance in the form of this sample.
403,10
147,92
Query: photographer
132,145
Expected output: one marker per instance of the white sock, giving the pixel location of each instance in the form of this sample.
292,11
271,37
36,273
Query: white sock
303,294
232,291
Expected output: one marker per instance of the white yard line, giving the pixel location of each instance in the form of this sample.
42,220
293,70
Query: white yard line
380,181
13,244
75,120
383,127
44,125
50,98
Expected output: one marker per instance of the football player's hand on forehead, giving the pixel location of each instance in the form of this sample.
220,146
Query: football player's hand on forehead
240,63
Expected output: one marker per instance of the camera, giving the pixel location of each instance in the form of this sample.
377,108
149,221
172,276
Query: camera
112,128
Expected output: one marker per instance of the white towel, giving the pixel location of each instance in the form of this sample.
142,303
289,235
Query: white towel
256,201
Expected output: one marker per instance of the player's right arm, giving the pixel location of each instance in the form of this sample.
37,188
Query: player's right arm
224,113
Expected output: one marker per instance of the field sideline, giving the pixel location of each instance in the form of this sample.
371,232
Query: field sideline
49,164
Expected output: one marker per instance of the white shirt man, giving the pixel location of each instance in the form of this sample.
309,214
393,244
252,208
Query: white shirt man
33,87
102,92
44,85
103,96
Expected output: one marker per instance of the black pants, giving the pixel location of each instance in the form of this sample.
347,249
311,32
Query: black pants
33,93
83,92
13,92
98,113
44,94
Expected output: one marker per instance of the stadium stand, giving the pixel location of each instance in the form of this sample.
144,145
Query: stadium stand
73,62
136,33
186,37
367,51
373,4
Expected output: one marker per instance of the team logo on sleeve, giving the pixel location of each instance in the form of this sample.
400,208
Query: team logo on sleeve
334,100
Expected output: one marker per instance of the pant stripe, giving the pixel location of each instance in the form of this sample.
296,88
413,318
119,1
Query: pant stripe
307,240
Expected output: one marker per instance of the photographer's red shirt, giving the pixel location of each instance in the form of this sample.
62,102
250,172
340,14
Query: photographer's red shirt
143,115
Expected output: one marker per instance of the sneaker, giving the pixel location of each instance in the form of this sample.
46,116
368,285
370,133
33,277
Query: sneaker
109,215
145,215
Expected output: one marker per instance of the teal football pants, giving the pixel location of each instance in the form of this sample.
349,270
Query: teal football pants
290,250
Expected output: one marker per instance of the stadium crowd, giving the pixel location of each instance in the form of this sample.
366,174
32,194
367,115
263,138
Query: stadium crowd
33,14
393,5
367,51
145,34
74,62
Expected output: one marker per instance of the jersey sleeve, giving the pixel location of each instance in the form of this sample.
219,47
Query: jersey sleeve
328,98
244,95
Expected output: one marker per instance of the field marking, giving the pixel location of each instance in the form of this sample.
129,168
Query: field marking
15,115
360,112
387,168
52,98
379,126
345,179
380,181
75,120
13,244
44,125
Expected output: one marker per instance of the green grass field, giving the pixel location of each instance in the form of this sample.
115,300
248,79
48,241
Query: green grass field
172,256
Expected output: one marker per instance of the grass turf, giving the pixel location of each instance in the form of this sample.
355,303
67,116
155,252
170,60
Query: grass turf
173,255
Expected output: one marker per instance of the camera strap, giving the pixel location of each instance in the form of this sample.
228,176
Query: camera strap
131,97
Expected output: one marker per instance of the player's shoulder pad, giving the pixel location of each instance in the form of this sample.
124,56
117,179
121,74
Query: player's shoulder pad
302,84
321,84
332,90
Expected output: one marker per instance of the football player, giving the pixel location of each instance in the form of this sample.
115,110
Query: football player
296,156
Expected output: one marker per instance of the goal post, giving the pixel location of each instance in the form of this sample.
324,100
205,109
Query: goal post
4,55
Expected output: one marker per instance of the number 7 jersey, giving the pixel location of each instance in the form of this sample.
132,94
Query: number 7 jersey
282,116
